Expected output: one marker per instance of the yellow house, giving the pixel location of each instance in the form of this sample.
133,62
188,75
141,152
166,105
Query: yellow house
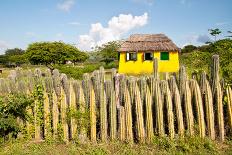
139,50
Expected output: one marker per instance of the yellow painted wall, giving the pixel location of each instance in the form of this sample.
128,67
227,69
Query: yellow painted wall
146,67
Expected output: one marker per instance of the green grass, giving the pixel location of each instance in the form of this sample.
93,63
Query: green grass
164,145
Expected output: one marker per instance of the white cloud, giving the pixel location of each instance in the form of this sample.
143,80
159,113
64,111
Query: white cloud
203,38
3,46
117,26
66,5
196,39
74,23
31,34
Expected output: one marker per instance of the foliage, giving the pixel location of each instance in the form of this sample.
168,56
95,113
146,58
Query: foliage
108,52
15,51
224,49
49,53
214,32
13,107
13,57
188,48
199,59
76,72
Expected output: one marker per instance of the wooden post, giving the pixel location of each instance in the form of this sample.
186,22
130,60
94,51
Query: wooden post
155,68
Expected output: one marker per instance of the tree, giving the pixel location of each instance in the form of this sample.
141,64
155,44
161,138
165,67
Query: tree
230,34
50,53
13,57
188,48
214,32
108,52
14,51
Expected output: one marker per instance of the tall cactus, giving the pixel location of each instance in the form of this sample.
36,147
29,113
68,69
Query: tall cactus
217,93
159,109
149,118
63,124
139,116
55,115
179,113
47,127
92,109
168,103
220,119
209,110
112,114
103,107
121,118
128,117
155,68
197,98
82,108
229,105
86,87
182,80
73,101
188,109
65,106
56,103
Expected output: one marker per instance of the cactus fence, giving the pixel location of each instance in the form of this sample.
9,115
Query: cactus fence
125,108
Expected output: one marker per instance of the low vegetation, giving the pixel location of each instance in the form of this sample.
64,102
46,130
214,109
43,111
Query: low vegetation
189,145
197,59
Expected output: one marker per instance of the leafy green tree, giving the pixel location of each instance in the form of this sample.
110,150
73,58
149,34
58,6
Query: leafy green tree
215,32
108,52
188,48
13,57
50,53
14,51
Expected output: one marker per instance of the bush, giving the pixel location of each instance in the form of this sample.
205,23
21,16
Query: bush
77,72
13,107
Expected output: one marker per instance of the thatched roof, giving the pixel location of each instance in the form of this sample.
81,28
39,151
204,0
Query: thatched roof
148,42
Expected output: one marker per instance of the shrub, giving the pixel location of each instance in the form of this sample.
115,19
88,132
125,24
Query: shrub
13,107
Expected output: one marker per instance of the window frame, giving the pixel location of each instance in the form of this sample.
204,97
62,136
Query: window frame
152,55
128,56
163,53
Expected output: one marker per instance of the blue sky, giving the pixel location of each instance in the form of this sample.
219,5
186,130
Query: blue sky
87,23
